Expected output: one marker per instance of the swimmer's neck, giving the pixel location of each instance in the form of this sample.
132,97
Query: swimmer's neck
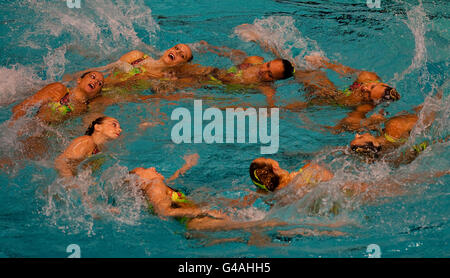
158,65
78,95
99,140
286,178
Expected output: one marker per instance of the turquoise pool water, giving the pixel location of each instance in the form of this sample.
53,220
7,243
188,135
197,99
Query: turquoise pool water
405,42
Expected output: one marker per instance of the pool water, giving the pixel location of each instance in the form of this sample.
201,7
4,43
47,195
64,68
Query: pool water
405,42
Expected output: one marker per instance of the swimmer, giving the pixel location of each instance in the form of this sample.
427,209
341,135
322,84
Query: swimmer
250,70
268,176
367,89
100,131
396,132
168,202
138,64
57,102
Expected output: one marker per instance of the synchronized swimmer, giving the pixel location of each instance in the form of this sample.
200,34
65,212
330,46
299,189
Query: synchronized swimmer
56,103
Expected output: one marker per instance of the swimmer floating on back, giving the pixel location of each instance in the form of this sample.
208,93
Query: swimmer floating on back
100,131
267,176
166,201
366,89
138,64
57,102
395,133
250,70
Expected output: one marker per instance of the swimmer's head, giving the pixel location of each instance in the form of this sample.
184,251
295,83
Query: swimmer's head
275,70
365,144
106,126
147,173
91,83
264,175
177,55
378,92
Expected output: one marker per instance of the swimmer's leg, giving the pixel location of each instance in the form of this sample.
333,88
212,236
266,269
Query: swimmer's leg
209,224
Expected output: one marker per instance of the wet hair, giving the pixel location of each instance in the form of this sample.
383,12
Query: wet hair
190,59
288,69
91,127
263,173
368,149
84,74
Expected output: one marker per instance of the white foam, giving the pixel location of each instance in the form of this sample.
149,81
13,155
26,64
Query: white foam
281,34
17,83
417,23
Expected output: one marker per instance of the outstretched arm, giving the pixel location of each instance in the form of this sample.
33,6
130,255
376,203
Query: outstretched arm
190,161
362,75
123,64
389,186
51,92
357,121
237,56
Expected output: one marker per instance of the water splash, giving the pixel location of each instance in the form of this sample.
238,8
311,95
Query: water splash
17,83
417,23
281,34
76,206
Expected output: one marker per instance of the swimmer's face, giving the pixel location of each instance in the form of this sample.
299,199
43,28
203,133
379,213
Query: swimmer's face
271,71
110,128
378,92
91,84
179,54
365,143
148,174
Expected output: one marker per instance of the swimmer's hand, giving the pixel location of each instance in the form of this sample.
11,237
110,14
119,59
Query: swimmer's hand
247,33
316,61
192,159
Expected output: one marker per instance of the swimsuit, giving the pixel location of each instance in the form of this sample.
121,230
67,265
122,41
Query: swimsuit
134,71
63,106
394,140
176,197
351,88
356,85
233,72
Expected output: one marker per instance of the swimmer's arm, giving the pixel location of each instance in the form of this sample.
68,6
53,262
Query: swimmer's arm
51,92
269,92
76,152
124,64
245,202
356,120
321,62
132,56
389,186
190,161
236,55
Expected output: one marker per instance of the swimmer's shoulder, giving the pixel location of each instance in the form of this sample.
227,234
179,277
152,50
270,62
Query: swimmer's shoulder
81,146
367,76
55,91
253,60
132,56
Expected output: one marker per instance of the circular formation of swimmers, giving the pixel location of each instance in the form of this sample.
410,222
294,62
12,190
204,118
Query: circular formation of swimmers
95,90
